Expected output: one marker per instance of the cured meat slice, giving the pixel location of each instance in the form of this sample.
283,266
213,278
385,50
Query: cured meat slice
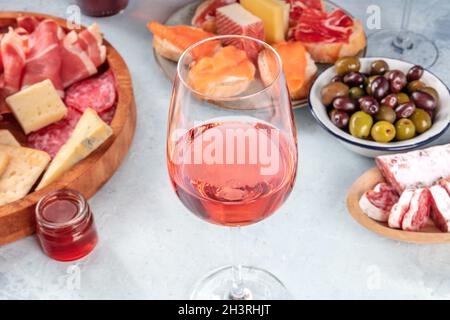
440,207
416,169
44,47
205,14
297,7
98,93
81,54
13,58
108,115
51,138
235,20
377,203
92,42
399,210
28,23
419,210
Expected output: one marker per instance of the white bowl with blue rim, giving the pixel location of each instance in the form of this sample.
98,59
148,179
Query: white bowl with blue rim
373,149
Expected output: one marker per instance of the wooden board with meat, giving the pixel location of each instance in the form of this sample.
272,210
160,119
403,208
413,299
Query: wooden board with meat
67,114
414,205
325,31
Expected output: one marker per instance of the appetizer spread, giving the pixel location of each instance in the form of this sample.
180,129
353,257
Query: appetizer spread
417,189
55,87
301,31
382,105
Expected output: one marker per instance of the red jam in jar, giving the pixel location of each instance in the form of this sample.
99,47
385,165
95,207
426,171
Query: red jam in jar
65,225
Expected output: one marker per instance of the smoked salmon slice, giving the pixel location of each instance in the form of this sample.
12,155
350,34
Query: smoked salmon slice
172,41
227,73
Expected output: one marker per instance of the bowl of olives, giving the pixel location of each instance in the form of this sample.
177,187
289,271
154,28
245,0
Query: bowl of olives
379,106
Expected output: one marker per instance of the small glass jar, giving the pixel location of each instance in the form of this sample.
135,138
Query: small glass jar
65,225
102,8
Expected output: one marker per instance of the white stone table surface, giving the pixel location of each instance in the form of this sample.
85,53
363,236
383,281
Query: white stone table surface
151,247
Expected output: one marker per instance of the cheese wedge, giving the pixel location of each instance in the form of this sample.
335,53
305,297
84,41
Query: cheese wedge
275,16
90,132
6,137
37,106
25,167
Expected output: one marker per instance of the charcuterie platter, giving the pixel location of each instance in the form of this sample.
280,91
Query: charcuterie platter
319,56
400,202
77,128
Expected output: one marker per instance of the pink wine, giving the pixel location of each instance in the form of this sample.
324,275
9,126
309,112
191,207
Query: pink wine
233,173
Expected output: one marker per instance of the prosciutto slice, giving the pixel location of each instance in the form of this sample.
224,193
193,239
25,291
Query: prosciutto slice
28,23
44,45
81,54
13,58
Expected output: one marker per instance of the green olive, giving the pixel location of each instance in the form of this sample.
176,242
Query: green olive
379,67
386,114
405,129
415,85
422,120
402,98
432,92
356,93
347,64
332,91
383,131
360,125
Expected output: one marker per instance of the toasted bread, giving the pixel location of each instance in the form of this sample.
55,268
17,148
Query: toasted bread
331,52
226,74
298,66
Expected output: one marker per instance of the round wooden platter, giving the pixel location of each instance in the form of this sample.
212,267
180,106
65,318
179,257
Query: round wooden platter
429,235
88,176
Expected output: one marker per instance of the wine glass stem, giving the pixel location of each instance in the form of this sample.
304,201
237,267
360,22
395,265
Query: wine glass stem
402,41
238,290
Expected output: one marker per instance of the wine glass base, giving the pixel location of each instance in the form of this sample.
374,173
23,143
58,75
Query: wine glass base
421,50
259,285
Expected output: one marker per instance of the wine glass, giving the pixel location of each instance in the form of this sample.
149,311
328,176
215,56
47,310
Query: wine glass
232,149
403,44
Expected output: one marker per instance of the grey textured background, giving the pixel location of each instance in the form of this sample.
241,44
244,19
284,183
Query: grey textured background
152,247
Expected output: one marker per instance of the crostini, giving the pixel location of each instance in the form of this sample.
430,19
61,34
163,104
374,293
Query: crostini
171,41
298,67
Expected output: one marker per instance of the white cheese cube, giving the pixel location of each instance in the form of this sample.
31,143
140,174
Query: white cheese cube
37,106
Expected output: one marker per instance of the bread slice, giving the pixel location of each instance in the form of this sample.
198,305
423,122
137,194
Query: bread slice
166,49
331,52
298,66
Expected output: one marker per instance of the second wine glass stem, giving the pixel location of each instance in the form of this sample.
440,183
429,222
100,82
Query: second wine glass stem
402,41
238,290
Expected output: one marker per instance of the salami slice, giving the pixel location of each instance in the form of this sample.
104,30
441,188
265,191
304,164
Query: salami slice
51,138
98,93
108,115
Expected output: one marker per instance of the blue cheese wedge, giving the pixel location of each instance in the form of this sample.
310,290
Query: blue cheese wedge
23,169
6,137
90,133
37,106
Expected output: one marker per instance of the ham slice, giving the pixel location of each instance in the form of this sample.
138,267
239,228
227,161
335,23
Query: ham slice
416,169
44,47
13,58
28,23
81,54
419,210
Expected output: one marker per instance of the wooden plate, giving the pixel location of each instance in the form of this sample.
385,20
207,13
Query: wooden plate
430,234
184,16
88,176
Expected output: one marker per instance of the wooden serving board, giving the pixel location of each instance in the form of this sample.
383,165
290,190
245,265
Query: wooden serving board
429,235
88,176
